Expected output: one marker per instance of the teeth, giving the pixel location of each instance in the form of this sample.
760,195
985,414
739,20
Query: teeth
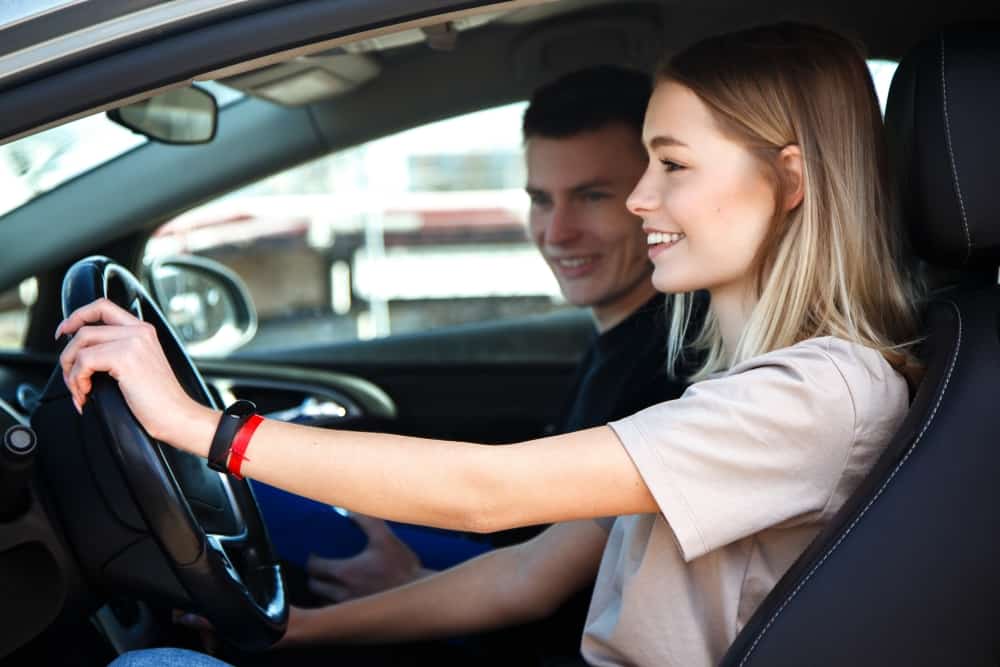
574,262
662,237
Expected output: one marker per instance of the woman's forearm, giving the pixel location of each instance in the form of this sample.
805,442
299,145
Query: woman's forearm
456,485
472,597
412,480
517,584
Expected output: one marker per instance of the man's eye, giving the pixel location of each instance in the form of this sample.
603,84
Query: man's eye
670,165
595,196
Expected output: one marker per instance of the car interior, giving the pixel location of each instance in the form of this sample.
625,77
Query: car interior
103,532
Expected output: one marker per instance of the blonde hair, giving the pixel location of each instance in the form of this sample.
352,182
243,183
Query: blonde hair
832,266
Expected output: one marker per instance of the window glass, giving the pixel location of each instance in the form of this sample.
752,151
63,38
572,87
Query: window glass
422,229
15,304
882,71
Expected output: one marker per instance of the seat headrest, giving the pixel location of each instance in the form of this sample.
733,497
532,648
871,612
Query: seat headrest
943,128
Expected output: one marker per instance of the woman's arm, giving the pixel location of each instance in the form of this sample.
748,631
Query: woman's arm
513,585
463,486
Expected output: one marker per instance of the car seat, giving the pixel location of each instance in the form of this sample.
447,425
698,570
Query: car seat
908,573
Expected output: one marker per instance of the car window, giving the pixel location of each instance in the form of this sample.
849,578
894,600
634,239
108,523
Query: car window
15,304
415,231
882,71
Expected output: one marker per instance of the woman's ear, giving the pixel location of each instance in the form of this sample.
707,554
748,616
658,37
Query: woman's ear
790,163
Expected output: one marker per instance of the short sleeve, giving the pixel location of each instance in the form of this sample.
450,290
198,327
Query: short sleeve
605,522
761,446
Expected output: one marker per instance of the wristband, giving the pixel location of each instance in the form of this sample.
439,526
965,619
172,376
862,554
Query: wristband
237,455
229,424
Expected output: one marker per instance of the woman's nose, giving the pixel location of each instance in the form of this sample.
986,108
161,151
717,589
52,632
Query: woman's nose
644,196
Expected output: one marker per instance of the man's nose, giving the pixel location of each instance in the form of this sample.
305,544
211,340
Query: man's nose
561,227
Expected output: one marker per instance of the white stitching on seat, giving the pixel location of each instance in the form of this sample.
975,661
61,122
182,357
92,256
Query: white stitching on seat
871,502
951,154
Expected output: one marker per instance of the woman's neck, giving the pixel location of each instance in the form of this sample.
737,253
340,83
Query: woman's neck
732,306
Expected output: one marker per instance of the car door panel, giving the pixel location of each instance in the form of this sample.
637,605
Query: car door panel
490,383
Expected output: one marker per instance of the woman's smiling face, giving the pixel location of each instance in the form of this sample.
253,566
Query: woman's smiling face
705,201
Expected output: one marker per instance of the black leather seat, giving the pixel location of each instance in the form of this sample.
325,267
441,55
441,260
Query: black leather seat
909,571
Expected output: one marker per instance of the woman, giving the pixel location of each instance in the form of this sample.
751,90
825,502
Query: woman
765,186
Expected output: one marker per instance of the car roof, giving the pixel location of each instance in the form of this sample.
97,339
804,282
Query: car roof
41,35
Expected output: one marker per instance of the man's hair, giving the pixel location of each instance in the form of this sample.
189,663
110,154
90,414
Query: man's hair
587,100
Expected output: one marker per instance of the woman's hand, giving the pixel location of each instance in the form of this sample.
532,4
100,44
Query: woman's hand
210,642
107,338
297,633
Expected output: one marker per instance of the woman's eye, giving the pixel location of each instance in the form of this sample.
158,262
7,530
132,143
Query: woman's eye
670,165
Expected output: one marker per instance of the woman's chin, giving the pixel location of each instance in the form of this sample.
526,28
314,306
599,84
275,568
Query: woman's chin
673,283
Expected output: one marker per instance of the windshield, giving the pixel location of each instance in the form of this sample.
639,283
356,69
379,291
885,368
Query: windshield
41,162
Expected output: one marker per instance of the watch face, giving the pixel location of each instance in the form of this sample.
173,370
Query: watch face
241,408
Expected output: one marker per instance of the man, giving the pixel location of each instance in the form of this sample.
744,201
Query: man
584,155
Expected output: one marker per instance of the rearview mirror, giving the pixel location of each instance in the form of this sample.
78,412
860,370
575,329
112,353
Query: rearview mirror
182,116
208,305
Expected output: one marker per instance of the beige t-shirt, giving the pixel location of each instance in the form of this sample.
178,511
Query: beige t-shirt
745,467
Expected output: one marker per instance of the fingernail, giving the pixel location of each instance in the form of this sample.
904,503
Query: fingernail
77,405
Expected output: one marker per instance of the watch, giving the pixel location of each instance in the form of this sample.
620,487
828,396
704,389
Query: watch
232,419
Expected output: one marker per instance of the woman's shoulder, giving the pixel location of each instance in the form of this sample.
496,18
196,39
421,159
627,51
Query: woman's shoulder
847,356
862,371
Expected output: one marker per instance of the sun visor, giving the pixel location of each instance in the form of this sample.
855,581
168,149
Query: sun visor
307,79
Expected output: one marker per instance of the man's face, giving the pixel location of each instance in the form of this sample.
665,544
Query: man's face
594,246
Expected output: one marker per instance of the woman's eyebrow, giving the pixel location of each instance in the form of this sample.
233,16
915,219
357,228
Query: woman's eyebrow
665,140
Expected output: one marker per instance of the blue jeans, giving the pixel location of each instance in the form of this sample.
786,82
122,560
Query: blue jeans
166,657
299,526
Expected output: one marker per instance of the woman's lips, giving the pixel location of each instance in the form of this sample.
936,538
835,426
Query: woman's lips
660,242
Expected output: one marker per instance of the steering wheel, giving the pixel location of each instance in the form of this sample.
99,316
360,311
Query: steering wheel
205,525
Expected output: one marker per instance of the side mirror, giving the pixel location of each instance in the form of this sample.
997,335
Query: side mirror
208,305
181,116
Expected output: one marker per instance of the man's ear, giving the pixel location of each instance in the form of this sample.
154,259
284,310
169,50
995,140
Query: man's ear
790,164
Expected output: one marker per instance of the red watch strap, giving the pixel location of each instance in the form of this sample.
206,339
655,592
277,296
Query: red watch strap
237,453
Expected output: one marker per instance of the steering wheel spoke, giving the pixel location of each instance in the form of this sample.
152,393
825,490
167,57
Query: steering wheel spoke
218,546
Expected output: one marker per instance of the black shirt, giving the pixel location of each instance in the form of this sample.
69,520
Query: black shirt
623,371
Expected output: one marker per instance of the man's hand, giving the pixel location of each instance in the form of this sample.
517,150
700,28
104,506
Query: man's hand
386,562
